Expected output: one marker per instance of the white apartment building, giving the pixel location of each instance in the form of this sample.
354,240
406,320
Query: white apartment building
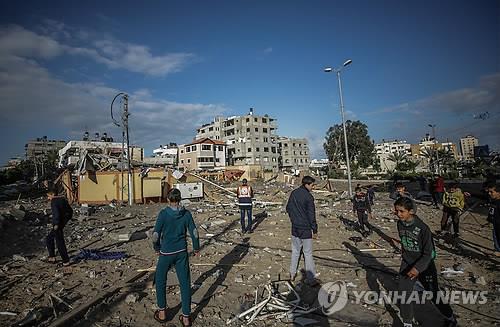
294,153
250,139
202,154
467,145
386,148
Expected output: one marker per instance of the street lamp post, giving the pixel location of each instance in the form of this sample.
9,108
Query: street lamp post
433,126
338,70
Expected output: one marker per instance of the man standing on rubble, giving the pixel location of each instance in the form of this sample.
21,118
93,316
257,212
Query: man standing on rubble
302,212
245,195
61,214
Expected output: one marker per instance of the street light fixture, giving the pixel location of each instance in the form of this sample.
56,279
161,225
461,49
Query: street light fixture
338,70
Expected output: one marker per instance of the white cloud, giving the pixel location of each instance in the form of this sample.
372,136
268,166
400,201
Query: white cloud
453,112
54,41
32,98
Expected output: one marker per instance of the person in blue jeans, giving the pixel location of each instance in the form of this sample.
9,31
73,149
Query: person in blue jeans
169,242
245,195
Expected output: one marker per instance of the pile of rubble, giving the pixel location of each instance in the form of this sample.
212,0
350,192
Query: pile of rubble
237,279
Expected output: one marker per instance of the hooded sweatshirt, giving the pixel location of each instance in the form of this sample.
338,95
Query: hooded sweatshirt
454,200
170,231
417,244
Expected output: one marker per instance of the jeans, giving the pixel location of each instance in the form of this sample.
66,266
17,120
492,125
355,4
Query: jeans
181,263
429,281
305,245
363,221
58,237
248,210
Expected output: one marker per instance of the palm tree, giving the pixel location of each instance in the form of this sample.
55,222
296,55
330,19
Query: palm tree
399,159
429,154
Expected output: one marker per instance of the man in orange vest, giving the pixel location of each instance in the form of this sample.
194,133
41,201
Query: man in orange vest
245,195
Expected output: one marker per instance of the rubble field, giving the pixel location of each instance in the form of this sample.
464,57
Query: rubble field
111,284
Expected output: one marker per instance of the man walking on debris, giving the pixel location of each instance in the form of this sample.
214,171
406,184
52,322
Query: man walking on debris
169,242
361,206
61,214
245,195
302,212
494,215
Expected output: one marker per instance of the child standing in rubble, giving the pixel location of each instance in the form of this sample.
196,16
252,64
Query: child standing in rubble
169,242
453,205
417,262
361,206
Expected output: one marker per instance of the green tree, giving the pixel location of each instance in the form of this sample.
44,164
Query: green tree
360,146
399,159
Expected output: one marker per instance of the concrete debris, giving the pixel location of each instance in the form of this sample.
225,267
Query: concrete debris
232,277
132,298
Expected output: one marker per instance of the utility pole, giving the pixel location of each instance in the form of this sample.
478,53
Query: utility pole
125,139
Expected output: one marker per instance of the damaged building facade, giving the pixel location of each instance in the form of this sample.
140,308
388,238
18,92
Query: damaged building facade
252,140
202,154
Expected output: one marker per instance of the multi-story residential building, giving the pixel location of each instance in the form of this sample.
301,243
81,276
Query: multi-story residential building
395,146
250,139
386,148
293,153
165,154
429,142
202,154
467,145
41,147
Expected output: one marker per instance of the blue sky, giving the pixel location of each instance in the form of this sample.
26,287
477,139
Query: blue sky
184,62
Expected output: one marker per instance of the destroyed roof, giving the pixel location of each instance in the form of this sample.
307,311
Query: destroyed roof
207,140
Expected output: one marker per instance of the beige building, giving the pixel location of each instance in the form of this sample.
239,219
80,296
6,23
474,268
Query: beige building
250,139
41,147
294,153
467,145
202,154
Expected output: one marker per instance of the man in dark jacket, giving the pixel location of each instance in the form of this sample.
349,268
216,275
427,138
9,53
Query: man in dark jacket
61,214
494,215
302,213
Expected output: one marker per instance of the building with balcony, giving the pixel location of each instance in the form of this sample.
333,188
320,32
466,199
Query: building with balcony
202,154
467,145
250,139
41,147
293,153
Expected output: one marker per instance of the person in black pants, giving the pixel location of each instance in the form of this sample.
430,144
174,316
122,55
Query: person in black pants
61,214
362,208
417,262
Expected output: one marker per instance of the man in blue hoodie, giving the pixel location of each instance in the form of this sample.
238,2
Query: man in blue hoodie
302,212
169,242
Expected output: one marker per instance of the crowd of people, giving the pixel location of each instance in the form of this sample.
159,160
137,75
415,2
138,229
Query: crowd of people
175,222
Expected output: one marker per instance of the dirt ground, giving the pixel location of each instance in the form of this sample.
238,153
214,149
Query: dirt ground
231,265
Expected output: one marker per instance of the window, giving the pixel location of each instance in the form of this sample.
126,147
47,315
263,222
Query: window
286,145
256,129
255,119
266,139
249,150
257,149
264,120
182,151
188,149
273,149
189,160
193,148
206,147
202,131
182,161
221,148
248,129
248,119
266,149
266,159
264,130
217,160
257,159
210,129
